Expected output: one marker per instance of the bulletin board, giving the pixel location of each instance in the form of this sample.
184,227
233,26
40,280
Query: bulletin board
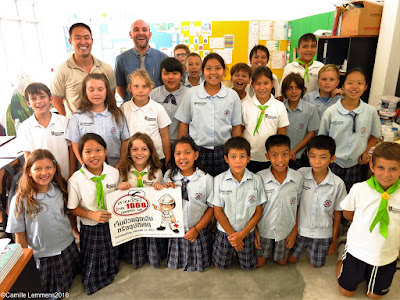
233,40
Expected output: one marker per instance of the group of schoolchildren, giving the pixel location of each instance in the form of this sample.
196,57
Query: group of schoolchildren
205,131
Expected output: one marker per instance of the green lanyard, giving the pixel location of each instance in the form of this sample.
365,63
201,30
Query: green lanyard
305,65
139,177
99,190
263,108
382,215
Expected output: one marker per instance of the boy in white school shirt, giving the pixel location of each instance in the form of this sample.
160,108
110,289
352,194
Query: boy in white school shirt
277,229
319,209
373,239
305,65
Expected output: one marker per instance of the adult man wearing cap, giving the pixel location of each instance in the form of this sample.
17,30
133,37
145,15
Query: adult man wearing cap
66,86
141,56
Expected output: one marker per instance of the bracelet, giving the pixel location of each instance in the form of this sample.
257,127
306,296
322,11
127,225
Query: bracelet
196,229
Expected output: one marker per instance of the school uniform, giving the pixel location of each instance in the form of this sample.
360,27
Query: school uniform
171,102
368,255
275,117
279,212
303,119
315,221
210,120
103,124
351,138
277,87
320,103
187,83
141,250
99,258
49,234
32,136
239,201
294,67
194,256
147,119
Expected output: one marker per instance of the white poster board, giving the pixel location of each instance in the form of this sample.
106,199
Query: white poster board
144,212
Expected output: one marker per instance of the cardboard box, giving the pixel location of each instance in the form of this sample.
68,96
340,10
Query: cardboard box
362,21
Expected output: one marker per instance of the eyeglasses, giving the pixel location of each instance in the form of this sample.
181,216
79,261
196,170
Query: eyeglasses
181,55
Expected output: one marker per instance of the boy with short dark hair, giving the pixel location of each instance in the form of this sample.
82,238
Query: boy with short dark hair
327,93
277,229
241,77
373,239
319,209
305,65
237,198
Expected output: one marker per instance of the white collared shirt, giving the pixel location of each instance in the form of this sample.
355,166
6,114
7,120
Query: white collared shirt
372,247
103,124
279,212
238,200
275,117
32,136
199,188
313,69
159,94
147,119
318,203
82,190
147,182
210,118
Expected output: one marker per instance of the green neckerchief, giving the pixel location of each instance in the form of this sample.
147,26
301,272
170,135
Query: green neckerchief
139,177
99,190
382,214
263,108
305,65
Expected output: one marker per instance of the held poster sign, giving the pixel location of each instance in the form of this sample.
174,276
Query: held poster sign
145,212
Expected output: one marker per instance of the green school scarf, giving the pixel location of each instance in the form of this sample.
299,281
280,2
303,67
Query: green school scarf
382,215
306,65
139,177
263,108
99,190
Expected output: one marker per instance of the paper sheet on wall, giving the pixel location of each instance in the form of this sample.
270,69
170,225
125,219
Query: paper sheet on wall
206,28
280,30
273,45
253,28
195,30
278,59
266,30
229,41
226,54
217,43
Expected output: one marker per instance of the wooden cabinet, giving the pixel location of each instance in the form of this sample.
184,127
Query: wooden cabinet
359,51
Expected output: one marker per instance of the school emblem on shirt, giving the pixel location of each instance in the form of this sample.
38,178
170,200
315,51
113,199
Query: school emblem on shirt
363,130
394,210
57,133
328,203
251,199
149,119
200,103
300,126
271,117
111,185
337,122
197,196
113,130
293,200
132,204
226,112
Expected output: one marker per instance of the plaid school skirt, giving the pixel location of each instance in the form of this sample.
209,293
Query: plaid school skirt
134,252
57,272
99,258
194,256
156,251
352,175
213,160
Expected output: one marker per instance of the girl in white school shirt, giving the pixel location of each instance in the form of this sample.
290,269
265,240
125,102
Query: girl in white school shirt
211,113
87,190
98,113
38,217
193,251
142,168
145,115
